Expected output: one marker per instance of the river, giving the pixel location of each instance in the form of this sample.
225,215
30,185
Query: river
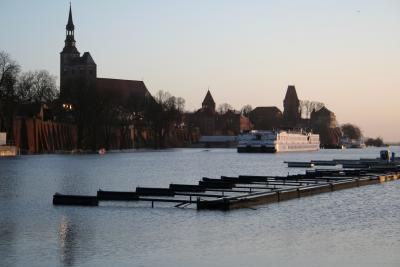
354,227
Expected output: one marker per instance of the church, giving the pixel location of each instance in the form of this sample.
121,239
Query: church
75,67
81,90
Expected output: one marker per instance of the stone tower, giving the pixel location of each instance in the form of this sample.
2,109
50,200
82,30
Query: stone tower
208,103
291,104
72,65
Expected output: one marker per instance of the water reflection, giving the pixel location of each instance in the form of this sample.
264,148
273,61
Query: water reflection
66,238
7,237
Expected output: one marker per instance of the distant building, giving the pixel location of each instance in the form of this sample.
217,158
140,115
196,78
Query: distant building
291,105
325,124
208,104
211,123
75,68
79,73
266,118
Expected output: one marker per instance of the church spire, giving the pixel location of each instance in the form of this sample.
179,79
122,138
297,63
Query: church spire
70,39
70,25
208,103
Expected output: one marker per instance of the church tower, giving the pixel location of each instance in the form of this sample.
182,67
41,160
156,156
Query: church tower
72,65
208,103
291,104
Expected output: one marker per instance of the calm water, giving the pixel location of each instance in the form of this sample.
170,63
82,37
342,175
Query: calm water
355,227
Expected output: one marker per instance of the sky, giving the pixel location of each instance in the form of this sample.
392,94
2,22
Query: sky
344,53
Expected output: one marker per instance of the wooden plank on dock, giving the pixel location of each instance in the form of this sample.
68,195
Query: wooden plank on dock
154,191
299,164
117,195
75,200
186,188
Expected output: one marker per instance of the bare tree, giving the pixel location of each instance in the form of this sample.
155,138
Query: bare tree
162,115
9,70
246,109
38,87
180,103
306,107
223,108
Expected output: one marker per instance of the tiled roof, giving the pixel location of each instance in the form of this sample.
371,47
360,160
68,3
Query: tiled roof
123,88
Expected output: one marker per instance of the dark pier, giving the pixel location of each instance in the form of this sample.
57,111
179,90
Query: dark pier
244,191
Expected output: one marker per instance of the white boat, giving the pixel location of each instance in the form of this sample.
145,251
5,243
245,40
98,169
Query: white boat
277,141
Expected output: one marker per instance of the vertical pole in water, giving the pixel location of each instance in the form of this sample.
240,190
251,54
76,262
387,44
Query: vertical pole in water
190,198
152,204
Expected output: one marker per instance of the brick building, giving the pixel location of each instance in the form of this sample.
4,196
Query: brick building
210,122
74,67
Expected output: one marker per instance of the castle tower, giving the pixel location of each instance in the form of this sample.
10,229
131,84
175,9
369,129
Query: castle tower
208,103
291,104
72,65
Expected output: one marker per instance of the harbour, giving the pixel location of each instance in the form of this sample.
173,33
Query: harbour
364,217
245,191
137,133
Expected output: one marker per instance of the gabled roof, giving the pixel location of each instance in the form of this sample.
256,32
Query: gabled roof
85,59
208,99
322,111
122,88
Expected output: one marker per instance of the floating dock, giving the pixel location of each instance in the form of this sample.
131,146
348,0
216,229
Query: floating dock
244,191
362,163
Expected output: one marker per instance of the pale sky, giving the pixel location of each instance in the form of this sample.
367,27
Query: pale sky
344,53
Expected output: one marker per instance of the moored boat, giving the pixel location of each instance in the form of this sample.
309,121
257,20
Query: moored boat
277,141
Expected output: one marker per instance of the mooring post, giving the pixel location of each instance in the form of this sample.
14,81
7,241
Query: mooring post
152,204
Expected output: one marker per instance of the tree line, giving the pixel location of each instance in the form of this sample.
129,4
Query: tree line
18,87
96,115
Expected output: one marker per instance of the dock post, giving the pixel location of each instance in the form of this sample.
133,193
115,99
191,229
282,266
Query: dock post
152,204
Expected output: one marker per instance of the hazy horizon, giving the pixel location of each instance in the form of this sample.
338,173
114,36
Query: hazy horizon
247,52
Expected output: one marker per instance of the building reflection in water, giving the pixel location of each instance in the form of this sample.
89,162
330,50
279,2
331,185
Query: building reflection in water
66,237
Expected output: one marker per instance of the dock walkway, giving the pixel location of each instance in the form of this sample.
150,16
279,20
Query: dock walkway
244,191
